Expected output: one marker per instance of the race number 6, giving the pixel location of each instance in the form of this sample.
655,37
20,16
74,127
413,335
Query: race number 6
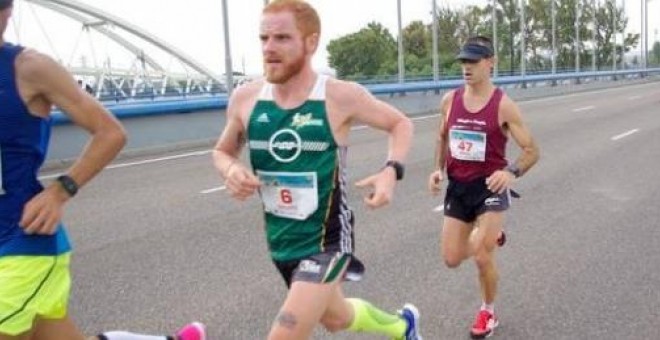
285,196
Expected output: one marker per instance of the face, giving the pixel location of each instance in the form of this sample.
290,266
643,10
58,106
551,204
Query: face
285,50
475,72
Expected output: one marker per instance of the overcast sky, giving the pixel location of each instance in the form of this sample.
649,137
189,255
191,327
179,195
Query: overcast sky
195,27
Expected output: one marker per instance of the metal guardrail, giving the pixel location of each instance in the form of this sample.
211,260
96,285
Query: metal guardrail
219,102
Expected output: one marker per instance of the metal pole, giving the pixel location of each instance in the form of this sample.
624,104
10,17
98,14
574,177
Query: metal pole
554,36
641,35
577,36
265,3
495,68
401,66
229,73
613,35
646,34
595,47
436,62
522,39
623,33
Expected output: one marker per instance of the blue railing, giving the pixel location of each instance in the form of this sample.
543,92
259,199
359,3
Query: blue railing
219,102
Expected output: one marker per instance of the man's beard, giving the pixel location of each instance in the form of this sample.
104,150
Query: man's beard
286,72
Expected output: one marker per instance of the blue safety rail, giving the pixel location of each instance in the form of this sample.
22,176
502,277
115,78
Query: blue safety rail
139,108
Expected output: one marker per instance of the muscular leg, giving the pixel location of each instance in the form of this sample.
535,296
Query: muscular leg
483,243
303,308
454,241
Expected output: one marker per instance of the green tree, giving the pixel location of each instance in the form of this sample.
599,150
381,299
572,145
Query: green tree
656,52
362,53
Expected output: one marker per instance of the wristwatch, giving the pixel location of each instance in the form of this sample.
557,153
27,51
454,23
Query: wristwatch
514,169
68,184
398,167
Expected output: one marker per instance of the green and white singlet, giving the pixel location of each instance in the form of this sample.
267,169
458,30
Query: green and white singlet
302,172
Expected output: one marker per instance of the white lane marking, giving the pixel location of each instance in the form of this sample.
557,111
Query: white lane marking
439,208
586,108
625,134
142,162
208,191
634,97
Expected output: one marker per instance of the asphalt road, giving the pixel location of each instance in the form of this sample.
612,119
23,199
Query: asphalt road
159,243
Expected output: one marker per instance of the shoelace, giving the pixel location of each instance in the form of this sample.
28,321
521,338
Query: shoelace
482,319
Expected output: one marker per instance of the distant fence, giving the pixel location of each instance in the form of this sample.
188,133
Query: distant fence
139,108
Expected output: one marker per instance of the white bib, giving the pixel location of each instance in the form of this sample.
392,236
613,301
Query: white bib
467,145
289,194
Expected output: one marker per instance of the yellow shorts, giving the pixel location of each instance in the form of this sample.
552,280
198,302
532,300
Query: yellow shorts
31,287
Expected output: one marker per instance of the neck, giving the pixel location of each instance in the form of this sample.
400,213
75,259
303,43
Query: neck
483,88
298,86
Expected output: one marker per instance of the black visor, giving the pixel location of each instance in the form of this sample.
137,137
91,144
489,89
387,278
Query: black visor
474,51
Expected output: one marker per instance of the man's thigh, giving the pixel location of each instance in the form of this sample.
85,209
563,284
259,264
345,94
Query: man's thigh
62,329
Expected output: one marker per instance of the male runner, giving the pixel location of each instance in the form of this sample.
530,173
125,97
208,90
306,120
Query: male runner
296,124
475,124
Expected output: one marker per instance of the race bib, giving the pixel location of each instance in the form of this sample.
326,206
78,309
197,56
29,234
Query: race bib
289,194
467,145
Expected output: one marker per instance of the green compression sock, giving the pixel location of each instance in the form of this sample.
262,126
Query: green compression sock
370,319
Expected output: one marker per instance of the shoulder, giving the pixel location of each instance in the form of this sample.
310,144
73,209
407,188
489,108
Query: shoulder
31,64
508,108
342,91
246,93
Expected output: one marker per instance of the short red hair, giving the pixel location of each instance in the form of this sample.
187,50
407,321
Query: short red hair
307,19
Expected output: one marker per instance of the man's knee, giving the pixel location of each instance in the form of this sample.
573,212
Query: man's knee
453,260
335,324
483,257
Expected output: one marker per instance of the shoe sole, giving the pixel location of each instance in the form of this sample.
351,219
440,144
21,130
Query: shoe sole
485,335
415,313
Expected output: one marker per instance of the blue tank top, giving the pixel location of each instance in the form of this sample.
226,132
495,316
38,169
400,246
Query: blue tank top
23,145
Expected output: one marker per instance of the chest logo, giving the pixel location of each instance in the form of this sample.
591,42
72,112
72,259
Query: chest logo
300,120
285,145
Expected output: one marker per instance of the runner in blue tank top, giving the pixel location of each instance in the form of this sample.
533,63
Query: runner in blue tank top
34,249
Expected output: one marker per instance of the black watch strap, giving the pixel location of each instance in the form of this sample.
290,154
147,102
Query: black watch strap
514,169
399,169
68,184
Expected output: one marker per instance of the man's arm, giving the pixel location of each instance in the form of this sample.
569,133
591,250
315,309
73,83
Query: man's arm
240,181
377,114
436,177
441,143
529,154
362,106
46,83
49,80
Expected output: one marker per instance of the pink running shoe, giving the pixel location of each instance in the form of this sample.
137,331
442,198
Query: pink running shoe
192,331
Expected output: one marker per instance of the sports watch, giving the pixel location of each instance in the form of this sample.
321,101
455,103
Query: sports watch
398,167
514,169
68,184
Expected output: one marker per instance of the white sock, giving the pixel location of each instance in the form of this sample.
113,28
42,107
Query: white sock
488,306
120,335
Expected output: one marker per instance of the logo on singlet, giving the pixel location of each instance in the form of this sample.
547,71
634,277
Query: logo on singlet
300,120
285,145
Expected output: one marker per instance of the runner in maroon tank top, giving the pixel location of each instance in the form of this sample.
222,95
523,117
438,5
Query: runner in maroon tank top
476,122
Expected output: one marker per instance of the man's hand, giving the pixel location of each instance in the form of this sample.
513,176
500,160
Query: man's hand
435,182
240,181
383,187
43,212
500,181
